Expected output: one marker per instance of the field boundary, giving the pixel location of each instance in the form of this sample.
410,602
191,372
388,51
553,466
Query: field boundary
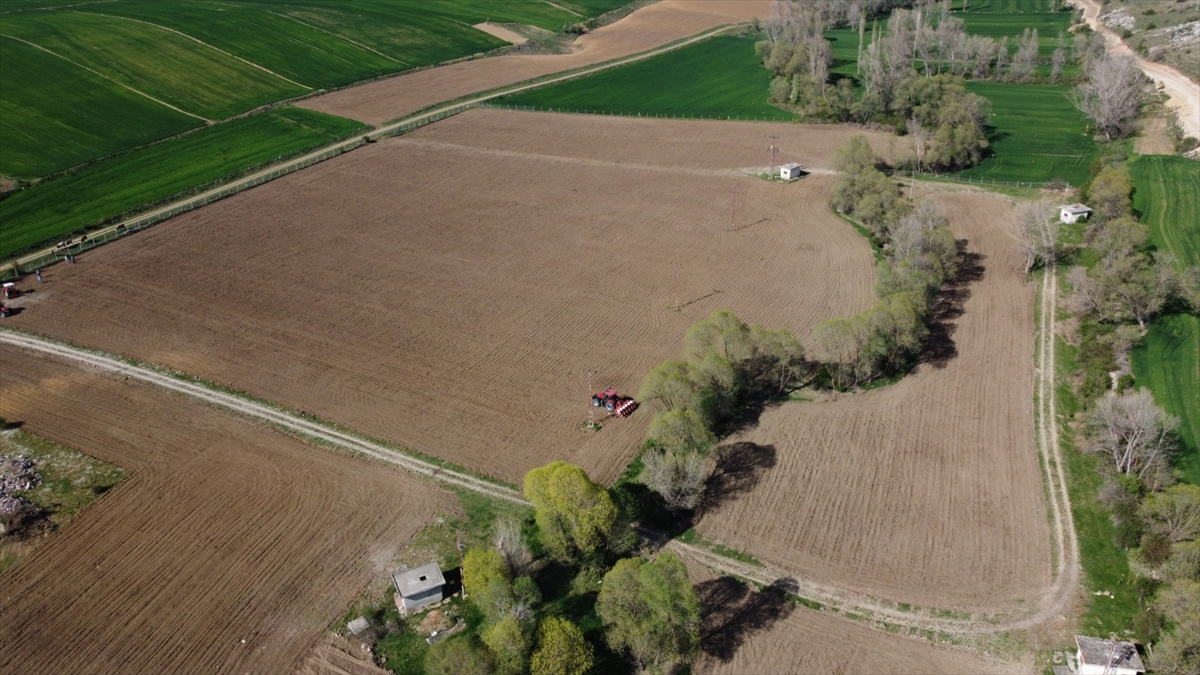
54,254
620,113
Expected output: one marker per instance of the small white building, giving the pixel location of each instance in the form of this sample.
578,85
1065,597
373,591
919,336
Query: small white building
790,171
1073,213
1107,657
418,587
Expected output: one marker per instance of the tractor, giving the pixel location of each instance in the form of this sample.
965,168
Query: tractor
615,403
11,291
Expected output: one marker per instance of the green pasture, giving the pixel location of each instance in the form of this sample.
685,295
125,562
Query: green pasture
191,76
54,115
1167,362
1167,197
1036,135
103,191
718,77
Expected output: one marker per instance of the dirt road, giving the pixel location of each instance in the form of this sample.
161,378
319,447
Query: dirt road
1183,92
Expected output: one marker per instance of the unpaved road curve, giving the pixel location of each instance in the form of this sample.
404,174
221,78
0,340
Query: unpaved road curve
1183,92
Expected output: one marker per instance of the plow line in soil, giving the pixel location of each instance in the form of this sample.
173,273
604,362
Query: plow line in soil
833,599
321,432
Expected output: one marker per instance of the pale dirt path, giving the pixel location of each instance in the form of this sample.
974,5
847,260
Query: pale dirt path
1183,93
496,30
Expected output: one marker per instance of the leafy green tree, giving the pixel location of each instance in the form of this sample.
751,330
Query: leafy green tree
778,364
1184,563
670,385
721,333
486,577
576,516
1109,193
562,650
855,156
682,431
1173,513
1178,653
508,641
650,610
457,656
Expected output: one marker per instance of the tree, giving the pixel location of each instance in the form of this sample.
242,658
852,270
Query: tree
562,650
1058,59
1037,224
650,610
855,156
457,656
670,386
487,581
677,476
1109,193
1133,431
1178,652
1024,63
1184,563
508,642
1173,513
1112,91
682,431
512,546
721,333
576,517
919,136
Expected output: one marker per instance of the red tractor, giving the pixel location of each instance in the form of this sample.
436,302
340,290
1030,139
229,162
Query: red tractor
11,291
613,402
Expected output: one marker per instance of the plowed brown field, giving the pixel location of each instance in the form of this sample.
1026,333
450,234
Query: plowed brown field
927,491
449,289
229,549
649,27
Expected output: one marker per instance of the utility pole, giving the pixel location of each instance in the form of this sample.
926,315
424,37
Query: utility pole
462,572
774,140
676,306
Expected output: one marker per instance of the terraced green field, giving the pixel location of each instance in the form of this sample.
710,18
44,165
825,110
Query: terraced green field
719,77
1167,195
1037,135
54,115
45,212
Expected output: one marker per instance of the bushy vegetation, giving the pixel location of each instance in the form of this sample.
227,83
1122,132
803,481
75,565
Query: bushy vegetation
103,192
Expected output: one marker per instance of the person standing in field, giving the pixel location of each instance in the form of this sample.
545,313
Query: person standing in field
39,276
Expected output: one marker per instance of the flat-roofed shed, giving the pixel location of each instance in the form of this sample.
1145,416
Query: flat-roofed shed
420,586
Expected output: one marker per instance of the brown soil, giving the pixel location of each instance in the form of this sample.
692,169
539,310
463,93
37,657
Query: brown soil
758,631
334,655
649,27
496,30
928,491
230,548
1153,138
448,290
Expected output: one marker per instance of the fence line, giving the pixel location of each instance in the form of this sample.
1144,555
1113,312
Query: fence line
623,113
984,181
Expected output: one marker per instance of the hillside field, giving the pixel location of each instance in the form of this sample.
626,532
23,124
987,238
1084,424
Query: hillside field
103,191
1167,196
717,78
84,80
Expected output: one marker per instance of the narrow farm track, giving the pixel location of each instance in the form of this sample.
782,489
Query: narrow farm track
1056,598
321,432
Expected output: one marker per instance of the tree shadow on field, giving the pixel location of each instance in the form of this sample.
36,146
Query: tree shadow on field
733,612
739,467
948,306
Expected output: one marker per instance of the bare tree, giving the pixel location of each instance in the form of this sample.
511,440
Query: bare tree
1174,513
1111,94
983,50
1024,63
1133,431
1058,59
512,546
919,136
677,476
1037,235
1001,58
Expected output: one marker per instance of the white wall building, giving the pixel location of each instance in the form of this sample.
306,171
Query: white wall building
790,171
1073,213
1107,657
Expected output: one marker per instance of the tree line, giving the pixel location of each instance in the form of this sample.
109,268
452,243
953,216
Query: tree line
1123,286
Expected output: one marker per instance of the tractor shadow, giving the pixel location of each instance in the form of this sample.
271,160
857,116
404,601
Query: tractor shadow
948,306
738,469
733,613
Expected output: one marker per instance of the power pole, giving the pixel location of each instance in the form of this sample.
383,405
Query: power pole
591,391
774,140
462,572
676,306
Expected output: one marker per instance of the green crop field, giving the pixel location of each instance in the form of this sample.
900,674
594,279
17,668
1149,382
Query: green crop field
54,115
82,80
1167,196
1168,363
100,192
1037,135
191,76
719,77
